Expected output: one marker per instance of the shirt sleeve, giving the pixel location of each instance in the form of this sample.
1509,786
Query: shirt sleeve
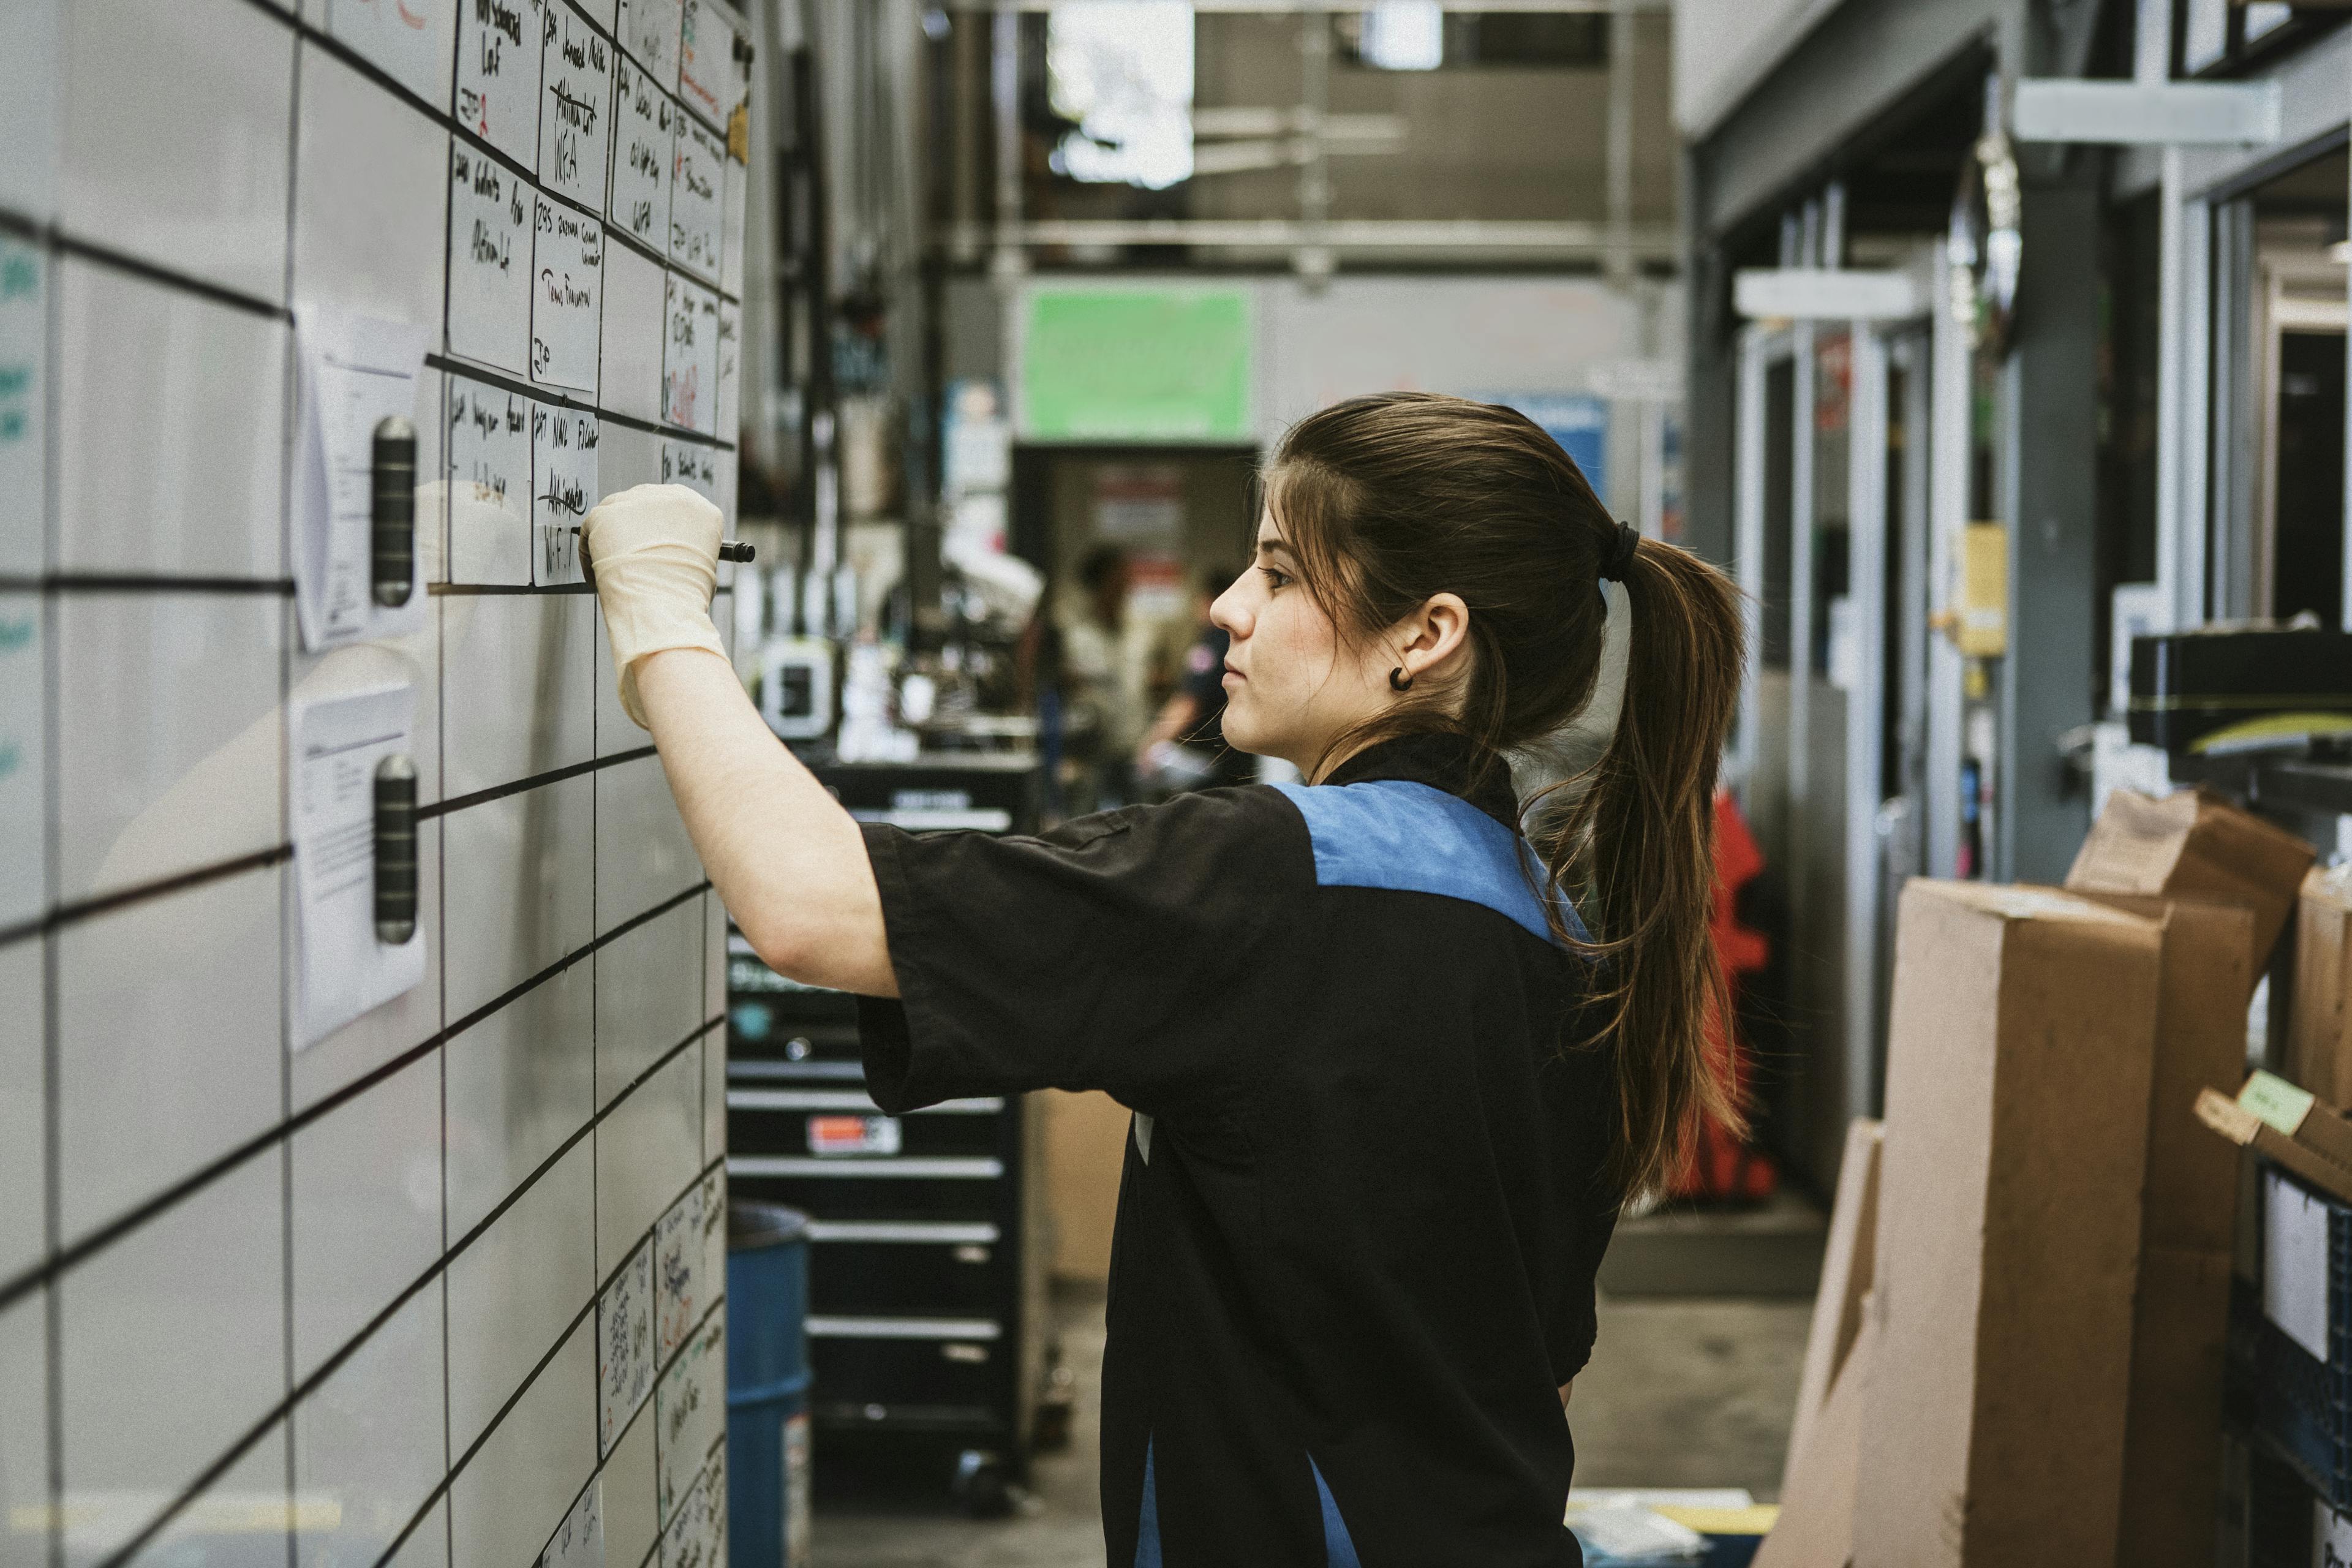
1124,952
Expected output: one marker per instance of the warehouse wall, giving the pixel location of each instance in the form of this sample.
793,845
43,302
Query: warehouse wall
445,1284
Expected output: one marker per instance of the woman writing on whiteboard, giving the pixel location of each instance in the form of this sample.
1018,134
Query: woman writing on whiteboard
1394,1070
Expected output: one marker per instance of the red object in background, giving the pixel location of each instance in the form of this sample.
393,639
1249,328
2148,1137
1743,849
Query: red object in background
1721,1166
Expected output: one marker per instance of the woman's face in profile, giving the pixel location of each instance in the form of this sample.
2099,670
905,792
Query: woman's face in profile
1291,689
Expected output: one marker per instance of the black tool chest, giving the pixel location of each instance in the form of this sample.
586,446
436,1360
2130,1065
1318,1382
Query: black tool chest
926,1323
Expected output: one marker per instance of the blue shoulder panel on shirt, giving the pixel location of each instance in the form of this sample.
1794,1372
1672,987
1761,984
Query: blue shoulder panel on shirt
1392,833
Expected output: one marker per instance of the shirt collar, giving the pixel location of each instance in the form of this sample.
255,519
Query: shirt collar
1446,762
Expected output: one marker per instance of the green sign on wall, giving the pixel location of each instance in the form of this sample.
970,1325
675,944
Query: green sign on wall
1143,365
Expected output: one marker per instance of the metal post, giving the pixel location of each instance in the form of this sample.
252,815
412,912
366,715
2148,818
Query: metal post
1748,553
1806,414
2172,422
1949,364
1865,707
2194,428
1621,141
1004,86
1313,258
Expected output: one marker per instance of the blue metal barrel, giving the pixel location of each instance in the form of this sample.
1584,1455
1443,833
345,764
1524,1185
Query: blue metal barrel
767,1386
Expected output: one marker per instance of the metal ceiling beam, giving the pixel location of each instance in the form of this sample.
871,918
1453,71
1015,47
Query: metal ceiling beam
1282,8
1657,242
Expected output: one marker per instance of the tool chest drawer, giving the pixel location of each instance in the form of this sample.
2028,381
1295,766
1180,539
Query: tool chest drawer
900,1267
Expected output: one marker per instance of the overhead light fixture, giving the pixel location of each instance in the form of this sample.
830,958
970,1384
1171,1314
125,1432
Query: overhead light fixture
1122,69
1404,35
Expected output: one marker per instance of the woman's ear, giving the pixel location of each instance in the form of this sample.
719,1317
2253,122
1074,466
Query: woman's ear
1431,638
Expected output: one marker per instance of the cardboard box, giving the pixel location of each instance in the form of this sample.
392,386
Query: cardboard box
2195,846
2189,1218
2288,1126
2190,1196
1085,1149
2172,1442
1848,1267
2022,1048
2320,1020
1819,1501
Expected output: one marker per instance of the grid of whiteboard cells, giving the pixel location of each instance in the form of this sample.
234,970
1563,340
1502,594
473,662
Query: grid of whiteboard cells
441,1281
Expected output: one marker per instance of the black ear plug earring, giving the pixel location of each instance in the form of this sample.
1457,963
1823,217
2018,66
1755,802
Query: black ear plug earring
1399,680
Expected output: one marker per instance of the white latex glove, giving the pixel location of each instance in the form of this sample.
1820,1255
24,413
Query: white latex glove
654,550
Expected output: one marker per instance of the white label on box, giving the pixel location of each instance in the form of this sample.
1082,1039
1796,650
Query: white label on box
570,256
691,356
579,1541
404,37
645,142
490,484
624,1346
577,124
563,481
691,1407
649,30
24,838
708,75
489,261
695,466
696,210
500,43
2294,1263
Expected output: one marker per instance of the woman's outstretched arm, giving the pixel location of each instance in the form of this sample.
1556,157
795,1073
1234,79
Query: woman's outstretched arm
788,861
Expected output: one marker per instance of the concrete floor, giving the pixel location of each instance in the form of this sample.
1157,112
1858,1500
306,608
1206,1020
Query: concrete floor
1680,1393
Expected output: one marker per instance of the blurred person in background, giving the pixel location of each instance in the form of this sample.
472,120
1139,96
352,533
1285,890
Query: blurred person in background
1102,708
1185,746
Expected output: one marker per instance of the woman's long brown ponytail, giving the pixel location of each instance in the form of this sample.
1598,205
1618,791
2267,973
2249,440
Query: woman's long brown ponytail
1638,851
1389,500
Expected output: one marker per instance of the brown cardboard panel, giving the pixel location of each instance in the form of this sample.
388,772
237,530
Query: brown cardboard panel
2319,1022
2244,1128
2172,1442
1085,1149
2191,1198
1819,1503
2195,845
2021,1054
1847,1268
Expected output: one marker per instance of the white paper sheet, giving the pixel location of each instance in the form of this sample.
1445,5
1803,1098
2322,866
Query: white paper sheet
711,80
488,448
500,43
579,1541
649,31
696,214
691,356
564,469
696,468
576,116
645,127
729,410
569,257
356,371
334,745
2294,1263
624,1346
489,260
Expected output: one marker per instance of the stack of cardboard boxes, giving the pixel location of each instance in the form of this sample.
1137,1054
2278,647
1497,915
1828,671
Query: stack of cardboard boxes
2018,1350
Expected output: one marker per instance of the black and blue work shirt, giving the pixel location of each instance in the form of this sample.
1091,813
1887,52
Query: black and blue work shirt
1363,1200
